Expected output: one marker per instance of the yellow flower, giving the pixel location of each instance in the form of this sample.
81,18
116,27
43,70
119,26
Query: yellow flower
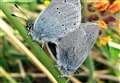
102,25
104,40
115,7
102,5
46,2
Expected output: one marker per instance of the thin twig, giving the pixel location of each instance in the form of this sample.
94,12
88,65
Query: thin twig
39,75
108,77
22,71
74,80
97,58
5,74
102,72
34,75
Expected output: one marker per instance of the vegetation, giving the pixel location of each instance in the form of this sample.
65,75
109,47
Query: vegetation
23,60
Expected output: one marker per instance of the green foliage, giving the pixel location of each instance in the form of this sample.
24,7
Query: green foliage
108,55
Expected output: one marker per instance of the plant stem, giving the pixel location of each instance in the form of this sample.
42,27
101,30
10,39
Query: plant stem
5,74
39,53
90,66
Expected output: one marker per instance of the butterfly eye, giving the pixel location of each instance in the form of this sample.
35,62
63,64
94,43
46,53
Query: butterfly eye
29,25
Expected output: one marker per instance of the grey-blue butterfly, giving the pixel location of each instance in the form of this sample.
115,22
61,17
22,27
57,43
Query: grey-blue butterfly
61,24
73,48
60,18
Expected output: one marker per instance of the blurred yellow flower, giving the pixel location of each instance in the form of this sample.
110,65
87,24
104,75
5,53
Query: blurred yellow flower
104,40
117,26
102,5
115,7
102,25
46,2
106,9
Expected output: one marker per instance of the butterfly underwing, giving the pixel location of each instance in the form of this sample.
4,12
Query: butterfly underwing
60,18
72,49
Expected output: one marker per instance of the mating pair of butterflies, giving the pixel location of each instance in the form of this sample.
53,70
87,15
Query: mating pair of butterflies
60,24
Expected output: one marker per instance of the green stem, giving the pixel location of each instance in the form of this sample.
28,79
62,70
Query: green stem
39,53
90,66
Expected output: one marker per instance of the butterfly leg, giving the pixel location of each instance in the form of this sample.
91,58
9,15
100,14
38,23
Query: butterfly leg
43,44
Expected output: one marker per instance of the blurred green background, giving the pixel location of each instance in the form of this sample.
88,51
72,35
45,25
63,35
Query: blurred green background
24,61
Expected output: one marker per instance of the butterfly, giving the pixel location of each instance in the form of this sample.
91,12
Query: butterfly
72,49
60,18
60,24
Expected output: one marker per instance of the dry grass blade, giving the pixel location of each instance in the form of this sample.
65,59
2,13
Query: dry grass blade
22,71
114,45
5,74
18,75
109,77
74,80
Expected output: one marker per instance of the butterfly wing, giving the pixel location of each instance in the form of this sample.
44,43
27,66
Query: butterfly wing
73,49
75,2
57,20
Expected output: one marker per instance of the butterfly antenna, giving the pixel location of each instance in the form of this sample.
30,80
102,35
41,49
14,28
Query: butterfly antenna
19,17
21,10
